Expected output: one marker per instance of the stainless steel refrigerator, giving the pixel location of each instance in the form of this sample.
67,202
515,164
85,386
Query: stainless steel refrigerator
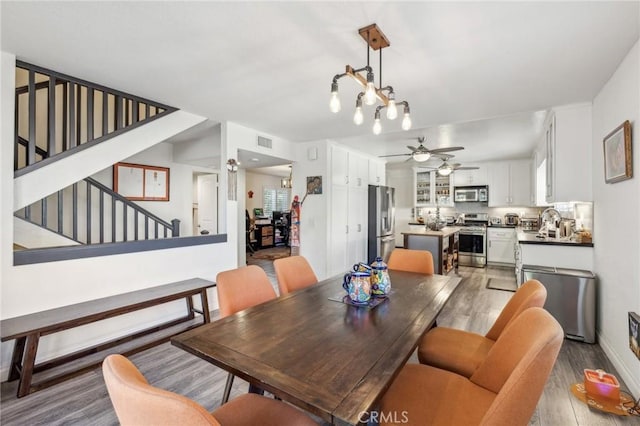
382,216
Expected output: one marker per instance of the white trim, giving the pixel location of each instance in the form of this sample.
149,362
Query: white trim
632,382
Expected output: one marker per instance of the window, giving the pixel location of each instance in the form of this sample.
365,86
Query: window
275,199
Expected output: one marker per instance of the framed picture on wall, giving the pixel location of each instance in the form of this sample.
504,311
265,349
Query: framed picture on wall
617,154
139,182
314,184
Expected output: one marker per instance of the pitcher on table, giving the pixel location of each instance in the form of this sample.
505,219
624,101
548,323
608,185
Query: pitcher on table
380,281
358,285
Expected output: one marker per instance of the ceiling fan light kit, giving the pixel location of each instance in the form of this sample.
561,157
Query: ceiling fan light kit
376,40
422,153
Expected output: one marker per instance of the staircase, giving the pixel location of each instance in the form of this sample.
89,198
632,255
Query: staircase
66,130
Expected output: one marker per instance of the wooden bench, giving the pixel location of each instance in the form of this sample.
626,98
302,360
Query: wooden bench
28,329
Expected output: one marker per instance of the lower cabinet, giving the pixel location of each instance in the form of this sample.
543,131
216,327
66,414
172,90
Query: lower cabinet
264,236
501,243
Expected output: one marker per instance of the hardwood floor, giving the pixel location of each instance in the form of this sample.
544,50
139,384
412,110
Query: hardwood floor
84,400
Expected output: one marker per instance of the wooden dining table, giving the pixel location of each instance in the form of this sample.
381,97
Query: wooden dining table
330,358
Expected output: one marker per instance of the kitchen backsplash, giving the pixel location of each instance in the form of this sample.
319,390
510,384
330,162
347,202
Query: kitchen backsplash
582,212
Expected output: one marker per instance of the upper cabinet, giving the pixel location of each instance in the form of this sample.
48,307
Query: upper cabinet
568,154
377,172
432,189
471,177
509,183
349,168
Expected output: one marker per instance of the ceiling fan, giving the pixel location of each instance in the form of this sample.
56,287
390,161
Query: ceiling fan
447,168
422,153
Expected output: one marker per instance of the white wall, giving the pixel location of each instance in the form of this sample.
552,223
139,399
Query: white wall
314,212
256,182
31,288
616,217
180,202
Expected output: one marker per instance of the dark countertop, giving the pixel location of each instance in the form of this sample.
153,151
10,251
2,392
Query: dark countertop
501,226
530,238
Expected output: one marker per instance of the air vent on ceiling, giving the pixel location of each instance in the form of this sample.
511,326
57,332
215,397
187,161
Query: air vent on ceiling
265,142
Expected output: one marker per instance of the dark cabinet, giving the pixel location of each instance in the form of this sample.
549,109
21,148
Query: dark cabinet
264,236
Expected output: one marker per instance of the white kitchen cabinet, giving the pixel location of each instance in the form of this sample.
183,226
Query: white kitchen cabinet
501,245
357,226
510,183
377,172
431,189
471,177
339,166
349,168
520,182
348,209
568,154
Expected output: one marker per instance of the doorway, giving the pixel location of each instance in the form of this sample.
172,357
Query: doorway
205,206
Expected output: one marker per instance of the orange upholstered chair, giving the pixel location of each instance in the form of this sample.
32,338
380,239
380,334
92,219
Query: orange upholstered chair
136,402
461,351
411,261
293,273
239,289
504,389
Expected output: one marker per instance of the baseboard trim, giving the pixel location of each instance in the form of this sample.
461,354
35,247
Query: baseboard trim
630,380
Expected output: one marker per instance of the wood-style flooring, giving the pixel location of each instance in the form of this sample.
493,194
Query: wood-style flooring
84,400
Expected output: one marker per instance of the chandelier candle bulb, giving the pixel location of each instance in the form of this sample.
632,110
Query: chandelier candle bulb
406,121
334,102
370,92
377,127
358,118
392,110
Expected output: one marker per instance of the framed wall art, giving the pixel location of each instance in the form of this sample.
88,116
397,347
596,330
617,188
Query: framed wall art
138,182
617,154
314,184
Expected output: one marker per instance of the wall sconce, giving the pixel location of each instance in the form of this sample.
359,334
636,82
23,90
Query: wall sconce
232,184
285,182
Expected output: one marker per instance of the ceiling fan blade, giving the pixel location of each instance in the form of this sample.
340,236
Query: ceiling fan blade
393,155
467,168
456,165
412,148
449,149
441,156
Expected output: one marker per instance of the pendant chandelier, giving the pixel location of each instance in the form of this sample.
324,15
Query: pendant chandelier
376,40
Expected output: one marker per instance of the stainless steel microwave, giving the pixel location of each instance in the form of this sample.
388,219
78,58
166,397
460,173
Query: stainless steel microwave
471,194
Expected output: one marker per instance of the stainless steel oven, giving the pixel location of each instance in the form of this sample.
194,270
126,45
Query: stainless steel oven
473,241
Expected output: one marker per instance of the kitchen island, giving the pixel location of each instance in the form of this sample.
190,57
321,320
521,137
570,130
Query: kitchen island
443,245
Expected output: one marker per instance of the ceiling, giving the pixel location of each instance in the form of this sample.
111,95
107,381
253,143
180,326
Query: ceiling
476,74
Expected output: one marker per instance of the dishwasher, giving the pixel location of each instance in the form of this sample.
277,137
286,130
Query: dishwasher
571,299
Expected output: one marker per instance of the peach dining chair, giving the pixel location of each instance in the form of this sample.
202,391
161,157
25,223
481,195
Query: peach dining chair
420,261
136,402
504,389
239,289
293,273
461,351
